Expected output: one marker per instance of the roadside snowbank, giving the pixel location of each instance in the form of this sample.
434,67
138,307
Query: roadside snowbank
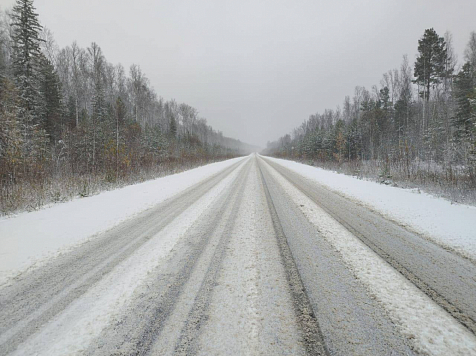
452,226
31,238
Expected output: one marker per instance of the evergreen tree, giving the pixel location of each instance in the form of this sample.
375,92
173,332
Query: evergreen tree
464,89
121,111
173,126
26,71
99,112
26,55
430,64
51,100
385,110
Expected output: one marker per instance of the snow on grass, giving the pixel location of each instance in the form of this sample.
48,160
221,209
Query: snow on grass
430,328
452,226
31,238
71,332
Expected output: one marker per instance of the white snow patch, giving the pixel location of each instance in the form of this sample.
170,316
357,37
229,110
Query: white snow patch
29,239
431,329
72,331
450,225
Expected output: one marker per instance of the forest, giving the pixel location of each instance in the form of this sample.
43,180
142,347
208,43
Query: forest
73,124
417,128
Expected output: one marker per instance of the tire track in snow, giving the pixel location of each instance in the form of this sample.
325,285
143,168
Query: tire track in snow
431,330
313,340
75,328
147,320
446,278
198,315
251,310
40,295
352,321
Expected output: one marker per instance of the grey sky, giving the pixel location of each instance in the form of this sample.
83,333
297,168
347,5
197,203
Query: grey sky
257,69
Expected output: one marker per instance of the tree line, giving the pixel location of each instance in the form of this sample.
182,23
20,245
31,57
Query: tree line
70,114
418,125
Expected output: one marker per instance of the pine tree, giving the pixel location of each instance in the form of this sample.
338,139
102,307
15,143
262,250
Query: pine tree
430,64
26,71
51,102
26,55
173,126
464,88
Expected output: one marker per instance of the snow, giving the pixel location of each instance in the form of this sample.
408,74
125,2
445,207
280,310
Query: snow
430,328
30,239
251,309
450,225
72,331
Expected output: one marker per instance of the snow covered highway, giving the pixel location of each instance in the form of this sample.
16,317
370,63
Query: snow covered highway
253,258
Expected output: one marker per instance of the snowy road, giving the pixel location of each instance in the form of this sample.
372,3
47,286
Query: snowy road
252,260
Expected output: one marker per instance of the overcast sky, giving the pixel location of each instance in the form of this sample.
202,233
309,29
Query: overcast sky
257,69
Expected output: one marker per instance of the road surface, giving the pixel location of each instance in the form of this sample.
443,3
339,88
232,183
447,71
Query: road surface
255,260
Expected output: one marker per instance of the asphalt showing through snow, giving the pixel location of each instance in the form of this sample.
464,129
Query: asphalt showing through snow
231,266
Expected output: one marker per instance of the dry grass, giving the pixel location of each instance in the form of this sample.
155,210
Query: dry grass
454,183
32,195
